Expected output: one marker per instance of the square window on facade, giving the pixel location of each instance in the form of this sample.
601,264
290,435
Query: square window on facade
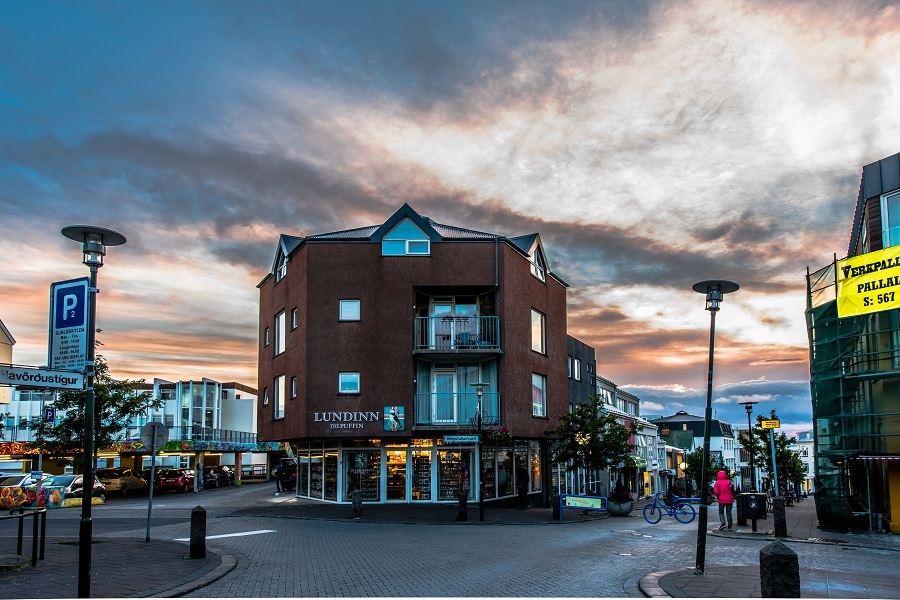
348,383
349,310
538,395
538,338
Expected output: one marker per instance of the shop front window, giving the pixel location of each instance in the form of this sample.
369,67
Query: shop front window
303,474
489,472
421,475
454,475
396,475
534,455
331,471
315,475
504,472
364,473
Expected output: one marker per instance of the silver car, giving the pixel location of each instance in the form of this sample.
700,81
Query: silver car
121,480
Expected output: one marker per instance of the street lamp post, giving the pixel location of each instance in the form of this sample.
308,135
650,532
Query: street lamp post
94,241
479,421
715,291
749,407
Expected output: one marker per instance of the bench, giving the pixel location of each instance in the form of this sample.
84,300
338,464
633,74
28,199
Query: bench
585,503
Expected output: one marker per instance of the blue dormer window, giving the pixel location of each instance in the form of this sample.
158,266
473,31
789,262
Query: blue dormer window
406,240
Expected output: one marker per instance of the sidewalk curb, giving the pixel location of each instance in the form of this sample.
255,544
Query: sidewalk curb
226,564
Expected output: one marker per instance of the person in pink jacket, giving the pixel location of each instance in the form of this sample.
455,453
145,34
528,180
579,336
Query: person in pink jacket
723,492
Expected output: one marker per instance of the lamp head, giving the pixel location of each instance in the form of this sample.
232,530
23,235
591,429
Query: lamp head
94,241
715,290
479,387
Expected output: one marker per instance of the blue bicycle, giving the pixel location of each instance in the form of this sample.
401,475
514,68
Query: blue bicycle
683,511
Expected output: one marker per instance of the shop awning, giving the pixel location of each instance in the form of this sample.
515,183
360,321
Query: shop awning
634,460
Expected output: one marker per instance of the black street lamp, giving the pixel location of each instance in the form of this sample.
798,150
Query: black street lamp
478,422
749,407
94,242
715,291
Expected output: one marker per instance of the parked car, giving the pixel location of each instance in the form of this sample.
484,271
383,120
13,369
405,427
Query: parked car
74,486
169,478
217,476
121,479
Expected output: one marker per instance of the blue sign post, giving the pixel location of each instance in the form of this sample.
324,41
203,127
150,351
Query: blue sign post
69,324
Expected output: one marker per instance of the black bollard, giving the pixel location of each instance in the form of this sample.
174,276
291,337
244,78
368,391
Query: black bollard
463,514
554,504
356,498
198,532
740,501
779,572
779,520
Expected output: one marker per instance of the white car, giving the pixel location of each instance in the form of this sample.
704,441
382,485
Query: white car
121,479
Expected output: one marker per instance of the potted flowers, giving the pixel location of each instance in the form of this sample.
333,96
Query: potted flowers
620,501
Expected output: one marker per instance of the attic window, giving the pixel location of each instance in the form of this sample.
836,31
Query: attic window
406,240
538,265
282,269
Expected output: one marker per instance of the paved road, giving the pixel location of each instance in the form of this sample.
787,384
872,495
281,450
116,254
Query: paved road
280,553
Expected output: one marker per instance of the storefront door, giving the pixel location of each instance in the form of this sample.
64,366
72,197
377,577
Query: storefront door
396,475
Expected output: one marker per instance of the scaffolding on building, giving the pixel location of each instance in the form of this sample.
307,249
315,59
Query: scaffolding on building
855,388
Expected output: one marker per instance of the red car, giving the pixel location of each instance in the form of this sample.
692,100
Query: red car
178,479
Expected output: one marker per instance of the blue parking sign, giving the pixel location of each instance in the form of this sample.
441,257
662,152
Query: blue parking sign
68,324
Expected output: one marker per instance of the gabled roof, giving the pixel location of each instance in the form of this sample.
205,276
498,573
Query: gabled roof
8,335
286,245
406,212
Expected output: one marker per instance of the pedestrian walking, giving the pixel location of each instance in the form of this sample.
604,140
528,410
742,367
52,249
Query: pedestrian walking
278,473
725,495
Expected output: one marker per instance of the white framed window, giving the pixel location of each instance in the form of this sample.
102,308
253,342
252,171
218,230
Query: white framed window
280,332
281,273
577,369
570,366
294,318
406,239
266,337
348,383
538,395
293,387
279,394
538,339
539,265
890,219
265,397
349,310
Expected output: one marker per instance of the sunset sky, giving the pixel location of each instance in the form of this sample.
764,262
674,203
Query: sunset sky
651,144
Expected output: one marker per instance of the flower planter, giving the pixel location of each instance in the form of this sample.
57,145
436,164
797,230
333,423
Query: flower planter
619,509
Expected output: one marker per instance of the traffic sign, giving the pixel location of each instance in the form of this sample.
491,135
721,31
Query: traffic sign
771,424
50,414
154,434
68,324
33,377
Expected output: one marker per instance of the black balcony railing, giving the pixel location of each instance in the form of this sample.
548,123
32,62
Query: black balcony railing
457,334
456,410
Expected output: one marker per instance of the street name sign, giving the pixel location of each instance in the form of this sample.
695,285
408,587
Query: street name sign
34,377
68,324
460,439
771,424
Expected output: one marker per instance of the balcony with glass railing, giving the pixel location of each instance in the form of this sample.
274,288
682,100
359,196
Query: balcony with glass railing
457,335
195,433
456,409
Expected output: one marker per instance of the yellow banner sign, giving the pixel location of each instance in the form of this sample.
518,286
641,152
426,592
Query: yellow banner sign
869,282
770,424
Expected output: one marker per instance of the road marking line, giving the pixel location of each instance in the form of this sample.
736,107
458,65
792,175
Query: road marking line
224,535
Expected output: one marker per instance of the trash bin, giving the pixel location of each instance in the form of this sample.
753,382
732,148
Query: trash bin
754,506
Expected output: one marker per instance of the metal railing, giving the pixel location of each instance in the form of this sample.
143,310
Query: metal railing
457,334
456,408
15,433
37,542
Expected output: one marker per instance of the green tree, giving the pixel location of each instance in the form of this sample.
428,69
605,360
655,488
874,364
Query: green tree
694,468
116,403
790,467
590,438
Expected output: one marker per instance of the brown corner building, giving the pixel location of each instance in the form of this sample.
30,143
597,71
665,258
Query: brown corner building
370,341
